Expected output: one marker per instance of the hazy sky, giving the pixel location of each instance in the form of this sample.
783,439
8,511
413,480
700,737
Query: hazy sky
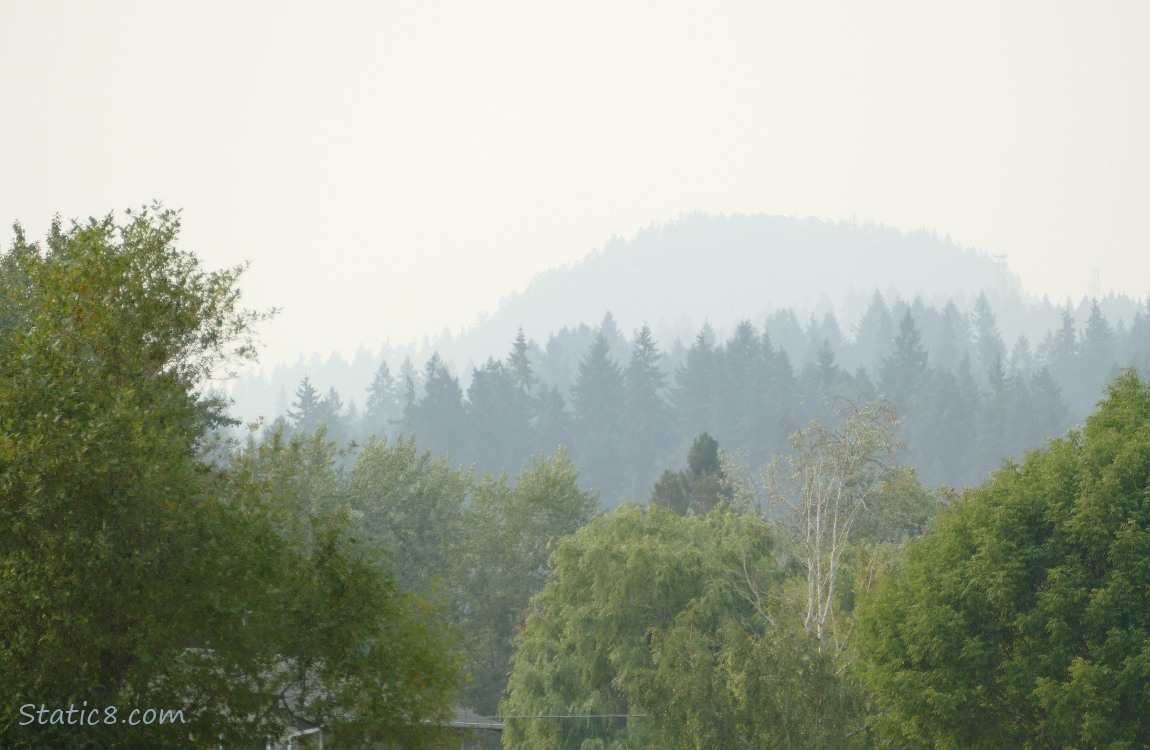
391,168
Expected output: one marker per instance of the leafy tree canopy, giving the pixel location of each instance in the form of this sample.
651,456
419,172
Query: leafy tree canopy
1023,620
133,573
511,530
650,631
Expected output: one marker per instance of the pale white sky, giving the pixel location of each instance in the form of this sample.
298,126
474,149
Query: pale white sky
394,168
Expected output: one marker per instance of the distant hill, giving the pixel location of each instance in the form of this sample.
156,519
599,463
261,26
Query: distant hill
723,269
676,276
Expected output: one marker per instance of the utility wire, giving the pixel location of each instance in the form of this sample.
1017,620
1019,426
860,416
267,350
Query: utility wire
575,716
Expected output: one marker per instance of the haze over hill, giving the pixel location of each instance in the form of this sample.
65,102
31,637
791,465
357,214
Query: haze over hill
676,276
723,269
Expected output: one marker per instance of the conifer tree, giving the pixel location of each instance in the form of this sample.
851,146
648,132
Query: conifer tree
647,417
1137,348
694,390
306,411
828,371
553,423
331,417
598,398
742,389
1097,365
1052,414
411,382
954,337
903,370
617,344
498,419
436,421
1060,353
520,364
874,334
383,408
988,344
1021,360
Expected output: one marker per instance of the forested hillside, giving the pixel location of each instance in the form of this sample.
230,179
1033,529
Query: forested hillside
723,269
628,408
364,576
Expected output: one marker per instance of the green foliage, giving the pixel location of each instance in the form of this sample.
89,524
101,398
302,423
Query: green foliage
966,404
693,392
700,488
413,507
658,618
306,413
823,380
875,333
477,547
348,648
106,336
752,384
510,532
519,363
135,574
988,345
671,491
901,508
1022,619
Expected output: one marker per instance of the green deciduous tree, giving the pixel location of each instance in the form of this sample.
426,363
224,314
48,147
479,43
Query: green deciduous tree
655,631
412,506
108,334
1022,619
511,529
133,572
595,640
327,633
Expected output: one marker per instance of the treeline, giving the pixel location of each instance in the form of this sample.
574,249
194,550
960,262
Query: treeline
146,570
474,546
628,410
277,582
863,611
